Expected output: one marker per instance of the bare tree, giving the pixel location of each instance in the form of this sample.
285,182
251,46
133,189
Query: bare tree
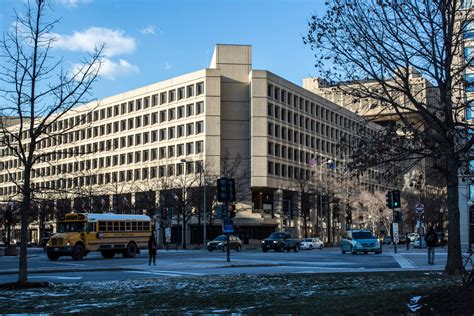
378,46
38,92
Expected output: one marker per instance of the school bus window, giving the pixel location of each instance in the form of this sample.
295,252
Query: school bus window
134,226
109,226
122,226
102,226
116,226
146,226
91,227
140,226
127,226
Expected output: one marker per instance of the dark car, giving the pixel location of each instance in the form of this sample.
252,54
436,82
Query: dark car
280,241
387,240
220,243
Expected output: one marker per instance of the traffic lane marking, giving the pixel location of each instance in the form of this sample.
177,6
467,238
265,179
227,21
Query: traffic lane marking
165,273
56,277
403,262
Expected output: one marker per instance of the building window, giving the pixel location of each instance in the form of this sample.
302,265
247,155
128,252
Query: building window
171,95
180,112
180,150
270,167
180,131
470,110
171,151
199,108
181,93
189,148
200,88
162,98
469,56
189,109
162,116
170,132
199,127
171,114
189,129
190,91
469,82
469,30
270,109
199,147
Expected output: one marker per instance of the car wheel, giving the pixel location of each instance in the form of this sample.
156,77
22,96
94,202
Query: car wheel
321,247
353,251
239,248
131,250
78,252
310,247
224,249
297,248
210,250
342,250
53,256
377,252
366,252
281,248
264,249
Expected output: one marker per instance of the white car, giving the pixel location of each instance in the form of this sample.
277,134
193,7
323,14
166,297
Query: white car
413,236
311,243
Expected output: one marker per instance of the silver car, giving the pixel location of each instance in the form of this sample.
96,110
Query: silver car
312,243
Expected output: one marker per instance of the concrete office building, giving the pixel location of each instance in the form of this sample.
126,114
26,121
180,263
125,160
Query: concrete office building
145,140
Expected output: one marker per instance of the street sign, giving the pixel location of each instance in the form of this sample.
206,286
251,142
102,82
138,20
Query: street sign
228,226
419,208
168,234
396,238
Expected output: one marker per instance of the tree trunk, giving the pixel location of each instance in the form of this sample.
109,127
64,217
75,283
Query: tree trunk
25,210
454,262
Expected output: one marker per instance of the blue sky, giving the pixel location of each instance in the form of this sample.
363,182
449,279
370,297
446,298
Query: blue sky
151,40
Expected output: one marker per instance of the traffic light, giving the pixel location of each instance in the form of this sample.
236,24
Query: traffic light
396,198
389,199
226,190
232,212
222,189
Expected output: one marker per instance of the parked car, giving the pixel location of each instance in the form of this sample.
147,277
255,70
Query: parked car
360,241
413,236
220,243
280,242
420,242
312,243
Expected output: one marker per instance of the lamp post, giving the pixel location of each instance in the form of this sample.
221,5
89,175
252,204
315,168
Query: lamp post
204,237
184,161
321,199
470,203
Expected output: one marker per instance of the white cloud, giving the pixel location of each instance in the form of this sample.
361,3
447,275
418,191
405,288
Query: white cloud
116,43
111,69
150,29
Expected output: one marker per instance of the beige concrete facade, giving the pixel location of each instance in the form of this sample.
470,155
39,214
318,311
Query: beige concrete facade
134,141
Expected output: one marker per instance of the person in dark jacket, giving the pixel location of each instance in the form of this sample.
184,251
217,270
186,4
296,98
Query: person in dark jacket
152,249
431,240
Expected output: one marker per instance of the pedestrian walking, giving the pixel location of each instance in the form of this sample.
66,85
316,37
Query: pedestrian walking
407,240
431,240
152,249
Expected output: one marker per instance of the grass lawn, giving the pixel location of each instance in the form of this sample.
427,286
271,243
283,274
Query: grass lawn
342,293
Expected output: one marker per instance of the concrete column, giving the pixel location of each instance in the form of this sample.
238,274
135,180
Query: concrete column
278,207
297,222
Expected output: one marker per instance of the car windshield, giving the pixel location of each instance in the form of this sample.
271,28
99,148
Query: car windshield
221,238
277,236
71,227
362,235
308,240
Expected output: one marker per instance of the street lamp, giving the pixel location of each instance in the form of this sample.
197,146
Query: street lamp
321,198
184,161
470,203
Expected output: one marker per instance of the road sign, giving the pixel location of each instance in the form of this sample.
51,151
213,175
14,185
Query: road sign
396,238
168,234
228,226
419,208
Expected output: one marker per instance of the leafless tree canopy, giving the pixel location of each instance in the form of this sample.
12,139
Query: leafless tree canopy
372,49
36,91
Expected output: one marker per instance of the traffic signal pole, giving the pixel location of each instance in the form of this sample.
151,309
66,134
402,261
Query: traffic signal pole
393,222
228,234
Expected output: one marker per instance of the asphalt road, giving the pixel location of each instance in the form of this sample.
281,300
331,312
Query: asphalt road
196,263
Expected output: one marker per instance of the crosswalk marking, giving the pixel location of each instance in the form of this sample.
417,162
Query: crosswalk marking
402,261
165,273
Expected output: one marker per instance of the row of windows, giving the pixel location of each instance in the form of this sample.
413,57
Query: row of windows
189,129
289,99
123,226
124,125
128,107
278,169
178,150
150,173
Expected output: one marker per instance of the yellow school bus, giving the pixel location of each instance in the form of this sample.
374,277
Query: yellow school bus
79,234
